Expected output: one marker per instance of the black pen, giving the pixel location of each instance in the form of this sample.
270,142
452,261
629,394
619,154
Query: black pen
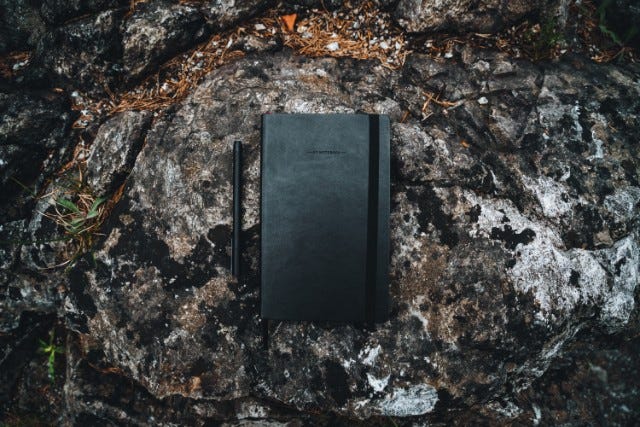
235,240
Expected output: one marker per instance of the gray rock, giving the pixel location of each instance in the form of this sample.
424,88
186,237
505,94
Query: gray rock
114,150
56,12
44,248
157,32
26,294
11,236
93,403
20,25
467,15
32,260
222,14
515,230
498,217
91,44
34,142
592,379
83,54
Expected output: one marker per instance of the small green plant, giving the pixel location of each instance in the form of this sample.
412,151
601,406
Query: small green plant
80,214
75,220
50,349
80,219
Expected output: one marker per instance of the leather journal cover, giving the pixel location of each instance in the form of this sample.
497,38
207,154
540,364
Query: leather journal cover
325,217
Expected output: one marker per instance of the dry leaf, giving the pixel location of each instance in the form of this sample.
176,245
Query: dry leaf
289,21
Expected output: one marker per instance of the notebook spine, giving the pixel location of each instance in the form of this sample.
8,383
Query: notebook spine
263,137
384,207
372,219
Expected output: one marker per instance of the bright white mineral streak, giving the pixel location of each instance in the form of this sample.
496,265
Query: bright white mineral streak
544,266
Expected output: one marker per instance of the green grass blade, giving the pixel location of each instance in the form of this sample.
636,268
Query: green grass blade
97,202
77,221
92,214
24,187
52,359
67,204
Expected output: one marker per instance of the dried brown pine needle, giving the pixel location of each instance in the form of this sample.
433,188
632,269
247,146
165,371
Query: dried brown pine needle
360,32
431,97
525,40
435,99
179,76
78,159
611,54
363,32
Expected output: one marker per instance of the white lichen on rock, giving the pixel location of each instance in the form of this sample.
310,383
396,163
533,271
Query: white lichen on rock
551,195
561,279
404,402
624,203
369,355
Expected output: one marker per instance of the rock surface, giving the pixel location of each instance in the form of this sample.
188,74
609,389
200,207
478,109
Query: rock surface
515,230
102,45
105,45
154,34
468,15
514,227
20,25
589,383
56,12
114,150
34,142
84,53
221,14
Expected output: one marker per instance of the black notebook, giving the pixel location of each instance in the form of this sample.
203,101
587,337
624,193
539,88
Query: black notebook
325,217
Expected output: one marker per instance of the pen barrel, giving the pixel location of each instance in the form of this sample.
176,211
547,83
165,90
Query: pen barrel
237,214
